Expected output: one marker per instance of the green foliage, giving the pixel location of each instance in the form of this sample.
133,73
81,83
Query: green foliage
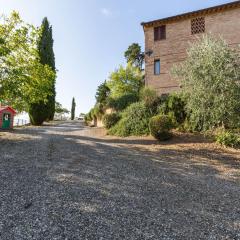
97,111
160,127
46,57
122,102
88,118
134,55
151,99
174,106
102,93
134,121
109,120
24,80
60,109
45,45
73,109
37,114
228,139
123,81
210,78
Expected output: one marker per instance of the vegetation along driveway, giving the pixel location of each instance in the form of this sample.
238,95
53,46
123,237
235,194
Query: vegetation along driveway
67,181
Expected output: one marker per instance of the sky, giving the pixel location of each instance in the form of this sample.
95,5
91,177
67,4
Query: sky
91,36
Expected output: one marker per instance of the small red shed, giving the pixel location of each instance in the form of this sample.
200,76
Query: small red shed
6,117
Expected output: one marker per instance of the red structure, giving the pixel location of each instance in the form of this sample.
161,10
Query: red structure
6,117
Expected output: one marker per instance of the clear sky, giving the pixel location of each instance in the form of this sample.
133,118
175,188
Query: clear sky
90,36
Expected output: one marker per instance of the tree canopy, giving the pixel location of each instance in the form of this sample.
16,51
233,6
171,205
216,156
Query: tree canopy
210,78
24,80
102,93
134,55
60,109
46,58
123,81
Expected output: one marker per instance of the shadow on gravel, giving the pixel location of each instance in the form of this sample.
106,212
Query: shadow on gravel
141,193
95,188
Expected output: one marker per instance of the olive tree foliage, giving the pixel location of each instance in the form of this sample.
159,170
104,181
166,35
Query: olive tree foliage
23,79
123,81
210,78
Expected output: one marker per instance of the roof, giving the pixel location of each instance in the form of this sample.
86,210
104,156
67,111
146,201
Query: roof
7,108
219,8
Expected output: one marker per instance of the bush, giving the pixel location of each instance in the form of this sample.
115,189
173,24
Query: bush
134,121
228,139
174,105
109,120
160,127
97,111
121,129
151,99
88,118
122,102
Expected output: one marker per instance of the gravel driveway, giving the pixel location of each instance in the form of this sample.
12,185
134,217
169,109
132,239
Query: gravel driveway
67,181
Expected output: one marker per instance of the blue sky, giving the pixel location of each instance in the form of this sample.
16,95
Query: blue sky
91,36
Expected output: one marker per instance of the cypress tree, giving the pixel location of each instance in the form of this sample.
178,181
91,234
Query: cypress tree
73,109
46,54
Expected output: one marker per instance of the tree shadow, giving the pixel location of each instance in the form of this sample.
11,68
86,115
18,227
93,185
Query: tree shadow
124,189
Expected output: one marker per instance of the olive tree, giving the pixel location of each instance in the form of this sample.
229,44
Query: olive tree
210,78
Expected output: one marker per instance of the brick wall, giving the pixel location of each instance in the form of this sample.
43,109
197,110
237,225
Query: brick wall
173,50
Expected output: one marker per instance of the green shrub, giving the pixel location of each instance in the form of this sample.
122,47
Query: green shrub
151,99
229,139
174,105
88,118
160,127
122,102
109,120
121,129
134,121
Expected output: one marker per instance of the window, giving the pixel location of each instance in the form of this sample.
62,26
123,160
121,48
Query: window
198,25
160,33
157,67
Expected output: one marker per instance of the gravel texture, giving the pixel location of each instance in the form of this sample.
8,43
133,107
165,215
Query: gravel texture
67,181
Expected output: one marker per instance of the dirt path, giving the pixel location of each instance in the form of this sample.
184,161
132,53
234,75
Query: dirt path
70,182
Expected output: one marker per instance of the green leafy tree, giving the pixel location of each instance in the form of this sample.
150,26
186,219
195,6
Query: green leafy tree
23,79
60,109
134,55
102,93
127,80
73,109
46,55
211,80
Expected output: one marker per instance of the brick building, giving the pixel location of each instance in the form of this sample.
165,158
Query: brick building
166,40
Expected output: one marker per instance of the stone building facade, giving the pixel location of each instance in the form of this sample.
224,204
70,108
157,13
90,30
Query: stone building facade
167,40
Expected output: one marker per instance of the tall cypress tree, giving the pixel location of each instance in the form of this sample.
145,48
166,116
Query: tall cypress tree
73,109
45,47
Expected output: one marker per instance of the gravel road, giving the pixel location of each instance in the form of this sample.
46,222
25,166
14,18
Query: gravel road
70,182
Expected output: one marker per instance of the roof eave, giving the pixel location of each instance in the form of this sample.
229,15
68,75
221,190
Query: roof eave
206,11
